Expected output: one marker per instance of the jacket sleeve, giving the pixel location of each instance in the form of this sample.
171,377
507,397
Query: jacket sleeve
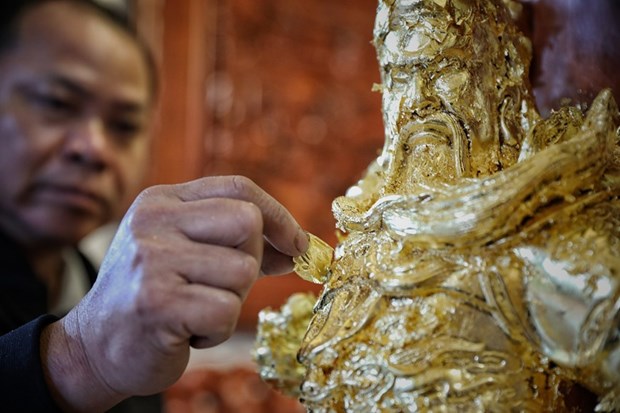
22,385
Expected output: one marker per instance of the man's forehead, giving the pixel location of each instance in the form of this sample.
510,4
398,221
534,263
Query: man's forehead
71,24
132,100
94,51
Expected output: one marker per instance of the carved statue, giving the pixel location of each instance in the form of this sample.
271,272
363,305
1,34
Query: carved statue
478,263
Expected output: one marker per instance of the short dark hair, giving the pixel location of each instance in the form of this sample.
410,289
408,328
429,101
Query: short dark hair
12,12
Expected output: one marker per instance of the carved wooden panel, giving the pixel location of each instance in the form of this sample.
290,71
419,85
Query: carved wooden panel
291,107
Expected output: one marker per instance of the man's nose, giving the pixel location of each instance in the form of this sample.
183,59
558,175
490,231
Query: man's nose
86,144
420,96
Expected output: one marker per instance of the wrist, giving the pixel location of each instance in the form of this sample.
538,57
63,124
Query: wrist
72,380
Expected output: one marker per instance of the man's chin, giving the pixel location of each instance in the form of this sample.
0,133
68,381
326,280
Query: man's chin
62,228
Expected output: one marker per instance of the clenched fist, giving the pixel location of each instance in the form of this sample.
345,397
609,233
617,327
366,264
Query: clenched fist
177,272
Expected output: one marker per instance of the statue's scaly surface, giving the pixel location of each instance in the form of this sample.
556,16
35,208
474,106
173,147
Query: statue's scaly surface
478,267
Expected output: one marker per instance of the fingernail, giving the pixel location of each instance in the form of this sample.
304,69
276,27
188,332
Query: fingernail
302,242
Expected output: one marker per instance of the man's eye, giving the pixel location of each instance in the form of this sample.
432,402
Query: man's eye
124,128
51,103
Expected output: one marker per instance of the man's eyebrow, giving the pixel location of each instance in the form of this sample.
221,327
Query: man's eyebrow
74,87
129,107
67,83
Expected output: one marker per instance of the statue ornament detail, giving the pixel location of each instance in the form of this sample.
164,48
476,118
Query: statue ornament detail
478,262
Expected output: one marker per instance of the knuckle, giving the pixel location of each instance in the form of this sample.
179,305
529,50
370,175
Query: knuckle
147,252
249,265
141,219
247,271
147,216
226,311
151,192
251,215
279,215
250,218
242,185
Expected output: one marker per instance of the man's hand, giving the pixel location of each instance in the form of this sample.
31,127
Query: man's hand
176,274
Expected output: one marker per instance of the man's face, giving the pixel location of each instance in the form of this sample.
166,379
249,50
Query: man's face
440,101
74,114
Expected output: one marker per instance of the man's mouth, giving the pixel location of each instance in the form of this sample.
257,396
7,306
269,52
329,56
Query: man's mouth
70,196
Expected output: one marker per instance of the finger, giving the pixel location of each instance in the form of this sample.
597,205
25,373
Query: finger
210,265
206,315
280,228
274,262
225,222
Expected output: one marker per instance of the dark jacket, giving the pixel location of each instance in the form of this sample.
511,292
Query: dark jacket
23,308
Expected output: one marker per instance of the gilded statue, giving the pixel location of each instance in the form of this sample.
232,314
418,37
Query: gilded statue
478,261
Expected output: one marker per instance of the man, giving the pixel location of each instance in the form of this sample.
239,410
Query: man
76,97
